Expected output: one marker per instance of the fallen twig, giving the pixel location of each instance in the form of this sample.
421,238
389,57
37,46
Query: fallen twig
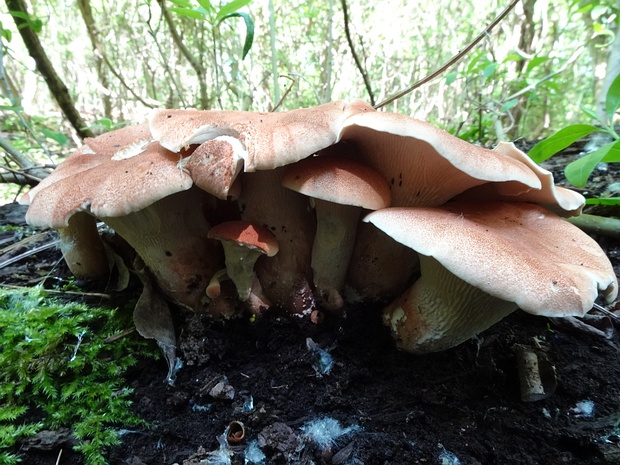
57,291
28,253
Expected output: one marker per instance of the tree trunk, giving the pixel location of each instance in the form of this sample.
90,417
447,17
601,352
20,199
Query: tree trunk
205,103
44,66
89,21
528,32
329,59
274,54
613,69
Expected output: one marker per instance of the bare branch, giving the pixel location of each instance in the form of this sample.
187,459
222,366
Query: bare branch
178,41
358,63
56,86
456,58
28,168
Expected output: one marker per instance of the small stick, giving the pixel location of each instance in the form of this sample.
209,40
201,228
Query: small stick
55,291
116,337
34,251
452,60
537,377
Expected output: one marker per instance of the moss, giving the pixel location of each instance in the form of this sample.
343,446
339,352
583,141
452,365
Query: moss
61,370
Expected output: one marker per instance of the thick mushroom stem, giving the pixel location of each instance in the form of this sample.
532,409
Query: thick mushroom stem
240,262
82,247
285,278
380,268
257,300
170,236
441,311
340,188
331,252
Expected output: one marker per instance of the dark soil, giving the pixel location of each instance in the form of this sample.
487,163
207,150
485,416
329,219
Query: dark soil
461,406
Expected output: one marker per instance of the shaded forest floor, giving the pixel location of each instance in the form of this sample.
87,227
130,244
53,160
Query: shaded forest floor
461,406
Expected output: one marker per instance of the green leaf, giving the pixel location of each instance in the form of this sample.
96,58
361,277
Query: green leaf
512,57
8,35
585,9
249,26
206,4
35,24
20,14
450,78
591,113
182,3
578,172
55,136
473,63
106,122
612,102
534,62
11,108
559,141
226,10
490,70
509,104
188,13
604,201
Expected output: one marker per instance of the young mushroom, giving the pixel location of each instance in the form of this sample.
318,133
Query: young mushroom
286,277
243,244
481,261
339,189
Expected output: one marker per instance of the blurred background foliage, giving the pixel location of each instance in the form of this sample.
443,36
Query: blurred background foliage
118,59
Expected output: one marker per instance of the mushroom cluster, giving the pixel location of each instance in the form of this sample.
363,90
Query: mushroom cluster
308,209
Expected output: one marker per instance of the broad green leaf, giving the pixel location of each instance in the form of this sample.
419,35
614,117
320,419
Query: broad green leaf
585,9
592,114
182,3
106,122
512,57
11,108
472,63
229,8
534,62
8,35
35,24
552,85
187,12
559,141
604,201
612,102
490,70
206,4
249,34
450,78
20,14
613,156
509,104
55,136
578,172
